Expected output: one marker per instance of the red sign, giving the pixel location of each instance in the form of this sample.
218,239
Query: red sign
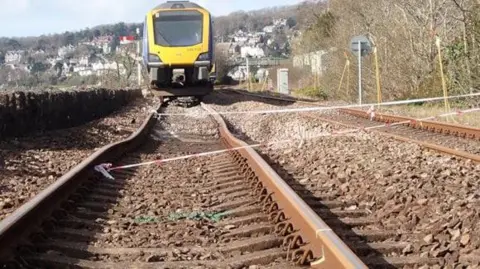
127,38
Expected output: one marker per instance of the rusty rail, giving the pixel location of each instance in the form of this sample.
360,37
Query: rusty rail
309,237
428,125
18,226
279,98
433,126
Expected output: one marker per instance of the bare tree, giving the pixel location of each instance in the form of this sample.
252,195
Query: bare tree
404,32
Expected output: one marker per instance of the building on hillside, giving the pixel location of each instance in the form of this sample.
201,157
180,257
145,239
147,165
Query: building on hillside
127,40
53,60
280,22
21,67
98,68
85,60
14,56
83,71
107,48
254,52
37,52
101,42
268,29
254,40
63,51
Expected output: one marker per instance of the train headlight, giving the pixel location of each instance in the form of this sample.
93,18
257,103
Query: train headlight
203,57
154,58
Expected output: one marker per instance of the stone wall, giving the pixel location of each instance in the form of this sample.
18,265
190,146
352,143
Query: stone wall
24,112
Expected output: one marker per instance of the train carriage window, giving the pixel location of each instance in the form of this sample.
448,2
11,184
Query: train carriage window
178,28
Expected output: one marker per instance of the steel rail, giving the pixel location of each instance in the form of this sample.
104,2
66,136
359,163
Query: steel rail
281,98
428,125
325,248
19,225
316,241
433,126
462,154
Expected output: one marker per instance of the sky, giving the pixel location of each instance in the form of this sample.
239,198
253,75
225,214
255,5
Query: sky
37,17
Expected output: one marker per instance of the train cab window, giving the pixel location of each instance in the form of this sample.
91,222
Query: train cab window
178,28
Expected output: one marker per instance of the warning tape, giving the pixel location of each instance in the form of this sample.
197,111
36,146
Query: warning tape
107,167
183,157
318,108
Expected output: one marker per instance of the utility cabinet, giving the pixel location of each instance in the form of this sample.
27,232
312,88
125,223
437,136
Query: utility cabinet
282,81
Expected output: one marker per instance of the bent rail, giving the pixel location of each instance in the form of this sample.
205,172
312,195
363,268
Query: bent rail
23,221
433,126
320,245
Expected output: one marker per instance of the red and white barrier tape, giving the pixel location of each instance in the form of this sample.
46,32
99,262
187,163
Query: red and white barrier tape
106,168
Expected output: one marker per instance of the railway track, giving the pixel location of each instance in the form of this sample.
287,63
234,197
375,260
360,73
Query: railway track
393,234
227,211
458,140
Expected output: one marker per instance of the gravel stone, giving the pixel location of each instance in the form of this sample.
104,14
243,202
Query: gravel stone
430,197
34,162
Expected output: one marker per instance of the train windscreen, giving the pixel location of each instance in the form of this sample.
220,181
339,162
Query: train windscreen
178,28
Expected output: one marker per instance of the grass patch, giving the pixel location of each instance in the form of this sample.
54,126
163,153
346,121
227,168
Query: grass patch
311,92
430,110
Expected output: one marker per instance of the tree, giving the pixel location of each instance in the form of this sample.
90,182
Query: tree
291,22
37,69
13,44
405,43
68,39
41,44
221,65
58,69
120,29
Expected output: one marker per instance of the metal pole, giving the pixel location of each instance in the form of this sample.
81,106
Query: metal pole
248,74
359,72
139,66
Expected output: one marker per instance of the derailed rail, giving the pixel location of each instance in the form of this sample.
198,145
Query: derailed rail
309,240
433,126
16,228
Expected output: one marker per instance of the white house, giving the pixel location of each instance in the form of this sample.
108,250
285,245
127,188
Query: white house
84,61
269,29
87,71
63,51
107,49
38,52
14,56
280,22
252,51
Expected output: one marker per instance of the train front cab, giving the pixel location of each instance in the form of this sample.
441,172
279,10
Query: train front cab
179,42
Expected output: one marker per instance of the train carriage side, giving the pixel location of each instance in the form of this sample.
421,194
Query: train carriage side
178,49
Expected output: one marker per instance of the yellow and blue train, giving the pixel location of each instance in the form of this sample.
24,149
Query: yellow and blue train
178,49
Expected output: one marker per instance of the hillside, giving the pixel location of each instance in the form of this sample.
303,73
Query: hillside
95,55
224,25
53,42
